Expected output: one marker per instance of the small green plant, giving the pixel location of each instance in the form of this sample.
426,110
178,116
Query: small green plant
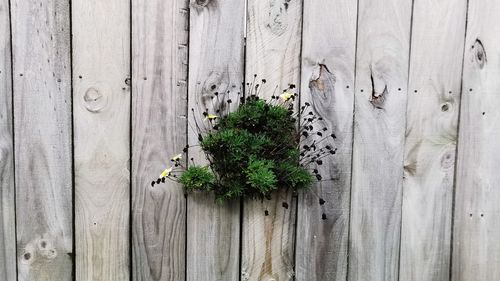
254,149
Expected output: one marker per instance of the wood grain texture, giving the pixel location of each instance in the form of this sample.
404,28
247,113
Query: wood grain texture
216,47
379,131
476,236
159,72
328,59
101,108
7,204
42,114
438,35
273,53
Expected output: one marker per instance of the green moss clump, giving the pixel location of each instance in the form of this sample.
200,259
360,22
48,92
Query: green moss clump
253,151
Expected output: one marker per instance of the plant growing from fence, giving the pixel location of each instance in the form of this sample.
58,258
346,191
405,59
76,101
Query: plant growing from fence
255,149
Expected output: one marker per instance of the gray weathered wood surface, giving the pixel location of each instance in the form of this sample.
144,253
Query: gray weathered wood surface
42,128
7,205
476,236
438,35
380,106
101,100
159,72
216,48
273,53
101,115
328,53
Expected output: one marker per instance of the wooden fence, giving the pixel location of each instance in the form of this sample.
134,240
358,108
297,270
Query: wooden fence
95,97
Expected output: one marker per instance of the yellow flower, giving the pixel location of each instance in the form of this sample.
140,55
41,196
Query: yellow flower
177,157
166,173
287,96
211,117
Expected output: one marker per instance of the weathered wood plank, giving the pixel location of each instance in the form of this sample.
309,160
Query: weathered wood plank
379,131
215,65
328,58
7,204
42,114
273,53
438,35
476,235
159,72
101,108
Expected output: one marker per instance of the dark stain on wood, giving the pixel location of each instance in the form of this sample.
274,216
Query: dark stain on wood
267,266
278,18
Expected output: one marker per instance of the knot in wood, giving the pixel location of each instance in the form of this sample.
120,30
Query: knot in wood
28,257
49,253
479,53
448,159
202,3
378,99
45,248
42,244
322,79
378,96
445,107
94,100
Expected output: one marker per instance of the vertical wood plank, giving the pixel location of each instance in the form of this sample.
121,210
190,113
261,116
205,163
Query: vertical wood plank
42,114
379,131
476,236
159,72
101,108
7,204
273,53
328,59
438,35
216,48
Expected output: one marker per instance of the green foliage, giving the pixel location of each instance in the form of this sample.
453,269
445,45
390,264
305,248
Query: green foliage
295,175
197,178
252,152
260,175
